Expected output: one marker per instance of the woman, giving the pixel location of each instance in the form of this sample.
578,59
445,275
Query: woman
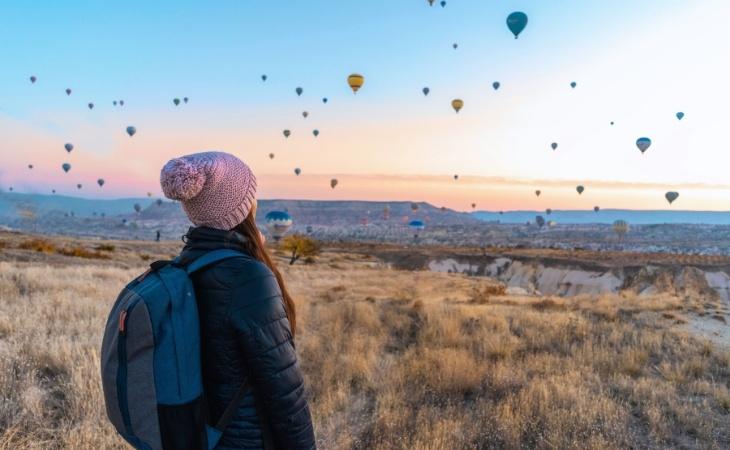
247,317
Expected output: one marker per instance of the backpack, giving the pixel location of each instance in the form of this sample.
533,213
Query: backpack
150,361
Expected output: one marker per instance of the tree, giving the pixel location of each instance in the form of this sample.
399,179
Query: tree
300,245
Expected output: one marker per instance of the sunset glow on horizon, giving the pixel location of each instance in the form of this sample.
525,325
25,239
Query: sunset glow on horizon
635,66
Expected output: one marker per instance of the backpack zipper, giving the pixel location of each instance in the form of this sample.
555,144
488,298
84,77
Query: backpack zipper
122,368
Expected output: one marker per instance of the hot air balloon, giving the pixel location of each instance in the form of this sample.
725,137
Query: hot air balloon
297,171
548,211
324,100
516,22
299,91
430,2
540,221
53,191
554,145
680,115
100,182
596,208
671,196
537,193
580,189
278,223
495,85
305,114
416,227
620,227
78,186
68,91
32,79
115,103
176,101
185,99
68,147
456,177
355,81
611,123
124,220
443,3
456,46
137,207
66,167
315,133
552,223
11,189
91,106
159,202
333,182
271,156
643,143
287,133
131,130
426,91
473,205
310,229
414,207
572,84
121,102
263,77
501,212
457,105
364,221
149,194
443,209
529,223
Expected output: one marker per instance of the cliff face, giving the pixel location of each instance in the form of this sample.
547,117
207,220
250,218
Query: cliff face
568,280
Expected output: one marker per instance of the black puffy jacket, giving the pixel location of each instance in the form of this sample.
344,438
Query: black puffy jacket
244,330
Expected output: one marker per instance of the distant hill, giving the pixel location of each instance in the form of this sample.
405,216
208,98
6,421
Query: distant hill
636,217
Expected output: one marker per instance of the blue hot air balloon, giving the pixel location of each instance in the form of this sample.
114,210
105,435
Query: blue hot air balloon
66,167
263,77
131,130
516,22
443,3
572,84
299,91
540,220
310,229
324,100
495,85
643,143
316,133
671,196
554,145
680,115
278,223
580,189
68,147
416,227
297,171
426,91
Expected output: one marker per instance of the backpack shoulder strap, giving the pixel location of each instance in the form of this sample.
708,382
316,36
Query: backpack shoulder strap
213,257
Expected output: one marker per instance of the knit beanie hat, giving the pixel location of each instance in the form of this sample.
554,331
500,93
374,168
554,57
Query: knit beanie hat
216,189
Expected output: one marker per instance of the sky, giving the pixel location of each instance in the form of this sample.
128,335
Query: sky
635,63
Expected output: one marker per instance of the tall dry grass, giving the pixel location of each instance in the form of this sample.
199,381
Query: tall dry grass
399,360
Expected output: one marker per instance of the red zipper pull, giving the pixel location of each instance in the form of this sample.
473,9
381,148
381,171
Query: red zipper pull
122,320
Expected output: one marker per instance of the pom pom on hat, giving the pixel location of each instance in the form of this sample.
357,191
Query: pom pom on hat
181,179
216,189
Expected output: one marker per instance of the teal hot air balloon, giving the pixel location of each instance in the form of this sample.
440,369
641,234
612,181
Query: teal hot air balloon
299,91
297,171
131,130
66,167
643,143
315,133
100,181
671,196
516,22
324,100
495,85
680,115
287,133
580,189
263,77
68,147
572,84
426,91
416,227
176,101
278,223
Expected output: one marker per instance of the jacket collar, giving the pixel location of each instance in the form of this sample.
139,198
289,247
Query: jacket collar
199,240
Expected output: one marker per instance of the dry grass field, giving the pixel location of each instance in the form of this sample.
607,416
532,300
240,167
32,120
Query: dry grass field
392,359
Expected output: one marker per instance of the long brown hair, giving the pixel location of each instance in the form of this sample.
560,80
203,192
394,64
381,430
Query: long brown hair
255,247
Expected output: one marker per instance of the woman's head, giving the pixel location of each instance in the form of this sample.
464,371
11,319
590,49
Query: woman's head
216,189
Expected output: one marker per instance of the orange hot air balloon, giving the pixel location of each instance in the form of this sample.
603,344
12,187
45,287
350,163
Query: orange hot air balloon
457,104
333,182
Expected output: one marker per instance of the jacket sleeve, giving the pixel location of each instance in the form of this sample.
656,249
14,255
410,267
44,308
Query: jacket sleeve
264,334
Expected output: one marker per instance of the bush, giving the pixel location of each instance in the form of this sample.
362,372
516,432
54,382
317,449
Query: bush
300,246
38,245
105,248
79,252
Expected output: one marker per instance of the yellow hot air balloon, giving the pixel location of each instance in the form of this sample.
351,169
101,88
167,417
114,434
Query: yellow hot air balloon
457,105
355,81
